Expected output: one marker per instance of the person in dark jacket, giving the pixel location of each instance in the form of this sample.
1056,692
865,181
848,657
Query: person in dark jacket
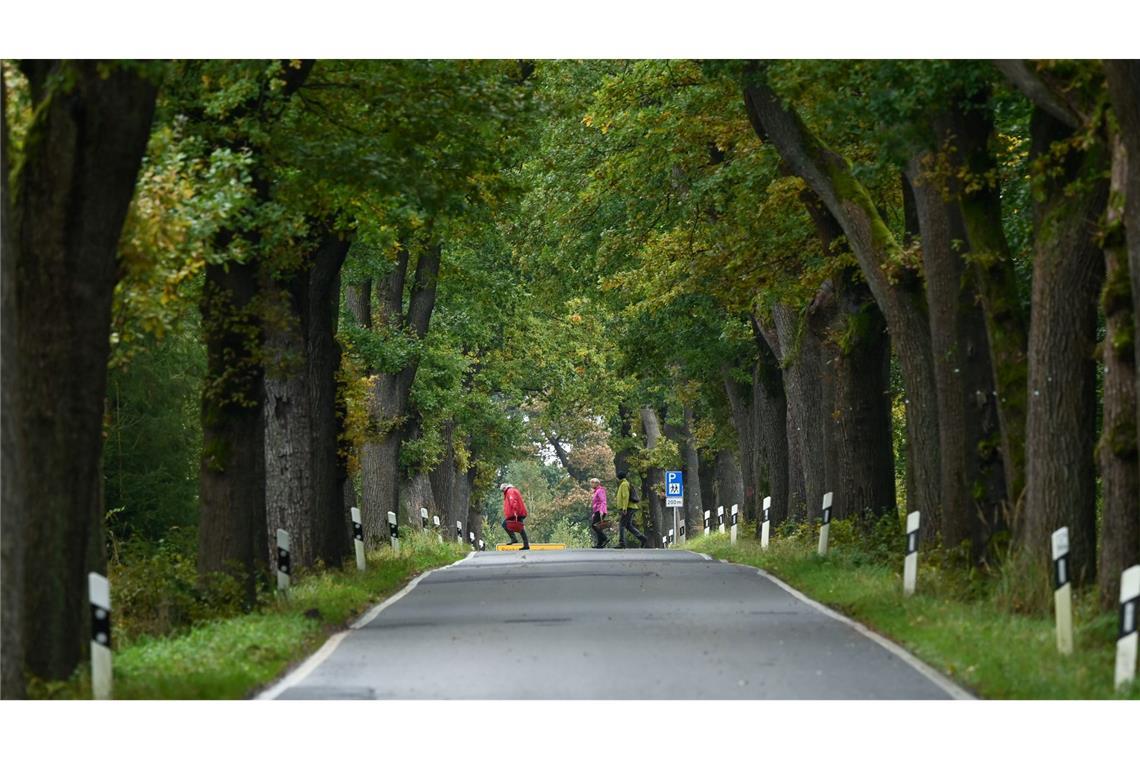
514,510
598,502
626,510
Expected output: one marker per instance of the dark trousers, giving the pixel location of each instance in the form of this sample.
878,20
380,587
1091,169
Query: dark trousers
526,542
627,524
600,534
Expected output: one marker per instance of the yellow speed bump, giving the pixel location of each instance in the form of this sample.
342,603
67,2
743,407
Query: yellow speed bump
533,547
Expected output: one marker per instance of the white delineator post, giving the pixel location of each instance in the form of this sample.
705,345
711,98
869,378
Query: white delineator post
682,534
482,546
99,595
1127,638
471,538
423,516
1062,591
358,538
284,561
394,531
708,516
766,525
438,532
672,537
720,519
458,531
732,530
823,530
910,564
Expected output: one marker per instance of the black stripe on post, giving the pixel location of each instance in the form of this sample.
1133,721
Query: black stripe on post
101,625
1060,571
706,522
284,561
682,530
1128,617
734,518
358,531
826,515
912,542
766,514
395,529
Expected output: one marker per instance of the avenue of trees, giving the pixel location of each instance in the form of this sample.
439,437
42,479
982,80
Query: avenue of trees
242,296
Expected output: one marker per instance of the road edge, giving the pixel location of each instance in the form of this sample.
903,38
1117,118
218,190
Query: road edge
954,690
301,670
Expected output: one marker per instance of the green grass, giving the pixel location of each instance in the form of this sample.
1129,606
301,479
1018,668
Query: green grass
234,657
953,622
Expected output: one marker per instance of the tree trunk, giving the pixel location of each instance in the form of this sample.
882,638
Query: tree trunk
971,479
1123,550
11,466
995,280
691,469
709,492
1119,474
651,484
444,477
231,479
729,484
303,495
897,291
1068,270
417,494
69,197
781,471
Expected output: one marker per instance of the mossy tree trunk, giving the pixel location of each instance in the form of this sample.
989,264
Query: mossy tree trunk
65,206
1068,269
897,291
972,482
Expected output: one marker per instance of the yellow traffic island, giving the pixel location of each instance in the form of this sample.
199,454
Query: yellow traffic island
533,547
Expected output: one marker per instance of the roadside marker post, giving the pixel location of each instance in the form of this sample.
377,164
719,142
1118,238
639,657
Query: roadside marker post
438,532
284,561
735,509
1062,591
482,546
471,538
394,531
458,532
824,529
99,596
720,519
766,525
1127,639
672,538
682,532
910,564
664,542
358,538
423,516
707,520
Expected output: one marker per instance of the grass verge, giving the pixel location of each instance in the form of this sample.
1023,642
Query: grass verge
954,622
234,657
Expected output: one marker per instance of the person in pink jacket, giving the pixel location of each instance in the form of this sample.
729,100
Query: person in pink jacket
599,513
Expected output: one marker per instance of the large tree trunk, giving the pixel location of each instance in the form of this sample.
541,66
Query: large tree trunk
898,292
995,280
69,197
651,484
14,496
417,494
302,493
388,403
691,468
729,484
231,479
972,482
1122,549
1068,269
1119,473
444,477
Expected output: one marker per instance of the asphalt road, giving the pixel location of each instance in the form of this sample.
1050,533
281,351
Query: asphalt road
608,624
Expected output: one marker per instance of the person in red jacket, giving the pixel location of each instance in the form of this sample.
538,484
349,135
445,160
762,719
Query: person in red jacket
514,510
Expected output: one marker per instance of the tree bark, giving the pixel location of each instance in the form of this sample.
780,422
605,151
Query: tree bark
729,484
897,291
1119,473
302,489
652,483
13,496
972,483
388,403
69,198
1068,269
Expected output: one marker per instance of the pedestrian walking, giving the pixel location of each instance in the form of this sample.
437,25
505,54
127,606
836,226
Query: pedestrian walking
598,519
514,512
626,498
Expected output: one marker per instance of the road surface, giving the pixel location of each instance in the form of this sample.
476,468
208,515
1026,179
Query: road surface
605,624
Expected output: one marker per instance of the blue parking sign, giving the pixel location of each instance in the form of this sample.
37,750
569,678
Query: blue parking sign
674,489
